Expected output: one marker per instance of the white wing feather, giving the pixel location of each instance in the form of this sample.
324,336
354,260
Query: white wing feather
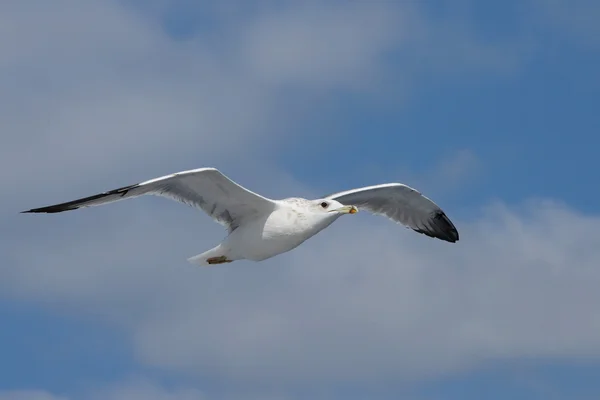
205,188
404,205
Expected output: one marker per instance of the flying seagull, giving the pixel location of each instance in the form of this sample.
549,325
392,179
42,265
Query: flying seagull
261,228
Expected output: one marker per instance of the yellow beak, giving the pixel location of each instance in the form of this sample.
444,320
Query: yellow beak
346,210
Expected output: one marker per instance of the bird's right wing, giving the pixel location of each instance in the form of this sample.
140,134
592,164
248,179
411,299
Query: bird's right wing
205,188
404,205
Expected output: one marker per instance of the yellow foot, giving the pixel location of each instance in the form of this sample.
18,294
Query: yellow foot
218,260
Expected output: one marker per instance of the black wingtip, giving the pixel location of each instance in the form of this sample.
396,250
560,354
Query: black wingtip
447,230
442,228
75,204
49,210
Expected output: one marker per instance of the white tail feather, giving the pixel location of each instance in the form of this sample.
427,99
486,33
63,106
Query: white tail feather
202,259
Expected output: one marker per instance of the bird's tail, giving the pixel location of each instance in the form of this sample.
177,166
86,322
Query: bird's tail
214,256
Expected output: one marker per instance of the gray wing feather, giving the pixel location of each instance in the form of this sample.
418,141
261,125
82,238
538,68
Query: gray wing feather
205,188
404,205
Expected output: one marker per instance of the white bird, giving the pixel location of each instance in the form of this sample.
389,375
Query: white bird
261,228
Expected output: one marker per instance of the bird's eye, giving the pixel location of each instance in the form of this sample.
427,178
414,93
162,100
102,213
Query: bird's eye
324,204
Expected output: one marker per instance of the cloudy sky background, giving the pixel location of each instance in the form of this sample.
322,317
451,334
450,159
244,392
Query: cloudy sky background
491,110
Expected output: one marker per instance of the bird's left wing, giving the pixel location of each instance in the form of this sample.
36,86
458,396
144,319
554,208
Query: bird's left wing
404,205
205,188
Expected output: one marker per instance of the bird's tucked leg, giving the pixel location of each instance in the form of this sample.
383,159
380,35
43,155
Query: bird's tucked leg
218,260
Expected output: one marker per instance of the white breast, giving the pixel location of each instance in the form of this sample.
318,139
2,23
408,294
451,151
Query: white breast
281,231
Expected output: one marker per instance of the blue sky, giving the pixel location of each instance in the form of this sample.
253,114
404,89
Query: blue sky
489,109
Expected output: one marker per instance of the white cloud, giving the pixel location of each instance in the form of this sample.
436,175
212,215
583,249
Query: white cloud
29,395
97,98
322,44
133,390
101,87
385,303
145,390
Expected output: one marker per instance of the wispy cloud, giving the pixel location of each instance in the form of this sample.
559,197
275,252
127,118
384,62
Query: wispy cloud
102,98
134,390
29,395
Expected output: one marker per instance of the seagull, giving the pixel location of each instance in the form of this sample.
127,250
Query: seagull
260,228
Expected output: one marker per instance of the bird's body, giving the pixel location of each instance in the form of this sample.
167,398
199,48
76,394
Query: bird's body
266,236
260,228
